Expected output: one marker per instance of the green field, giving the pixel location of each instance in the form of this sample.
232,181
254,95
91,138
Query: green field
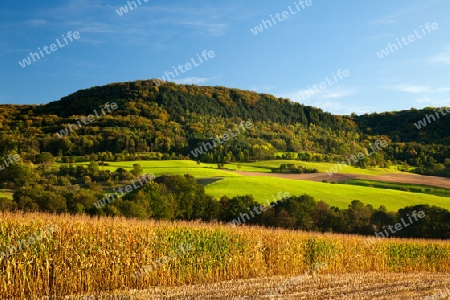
413,188
159,167
320,166
339,195
263,187
169,167
6,193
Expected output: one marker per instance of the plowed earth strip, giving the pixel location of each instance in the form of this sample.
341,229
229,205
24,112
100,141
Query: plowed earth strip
399,178
346,286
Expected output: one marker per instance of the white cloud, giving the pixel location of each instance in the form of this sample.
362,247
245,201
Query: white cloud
193,80
326,99
93,27
377,37
427,101
326,94
423,100
214,29
414,89
37,22
407,10
341,108
383,21
339,93
263,88
149,24
443,57
417,89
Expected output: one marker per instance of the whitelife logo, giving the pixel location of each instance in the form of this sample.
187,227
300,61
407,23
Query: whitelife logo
423,123
280,17
38,235
128,189
411,38
199,151
397,226
35,56
317,88
259,209
160,262
16,158
86,121
356,158
124,9
187,66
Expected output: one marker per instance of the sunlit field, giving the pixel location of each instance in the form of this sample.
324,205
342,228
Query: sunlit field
339,195
84,256
262,188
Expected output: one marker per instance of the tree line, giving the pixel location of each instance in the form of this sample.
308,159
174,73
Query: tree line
182,198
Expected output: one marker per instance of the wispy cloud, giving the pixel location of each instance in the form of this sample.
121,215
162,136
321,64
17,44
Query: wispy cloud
214,29
37,22
91,41
377,37
395,16
443,57
416,89
152,24
193,80
93,27
322,96
428,101
383,21
337,94
423,100
342,108
262,88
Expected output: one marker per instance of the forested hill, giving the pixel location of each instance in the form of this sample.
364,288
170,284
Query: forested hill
178,101
172,120
430,125
140,98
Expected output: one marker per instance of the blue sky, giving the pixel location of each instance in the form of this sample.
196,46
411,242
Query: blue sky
284,60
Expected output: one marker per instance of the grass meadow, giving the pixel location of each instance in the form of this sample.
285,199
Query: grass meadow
320,166
6,194
413,188
169,167
159,167
340,195
263,187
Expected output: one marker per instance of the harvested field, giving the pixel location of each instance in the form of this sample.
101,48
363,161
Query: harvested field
400,178
350,286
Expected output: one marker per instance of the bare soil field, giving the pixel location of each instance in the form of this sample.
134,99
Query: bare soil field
347,286
399,178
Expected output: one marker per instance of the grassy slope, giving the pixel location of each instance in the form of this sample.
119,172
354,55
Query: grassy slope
339,195
413,188
204,170
321,166
264,187
6,193
170,167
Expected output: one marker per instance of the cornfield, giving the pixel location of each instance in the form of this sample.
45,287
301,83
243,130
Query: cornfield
84,255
